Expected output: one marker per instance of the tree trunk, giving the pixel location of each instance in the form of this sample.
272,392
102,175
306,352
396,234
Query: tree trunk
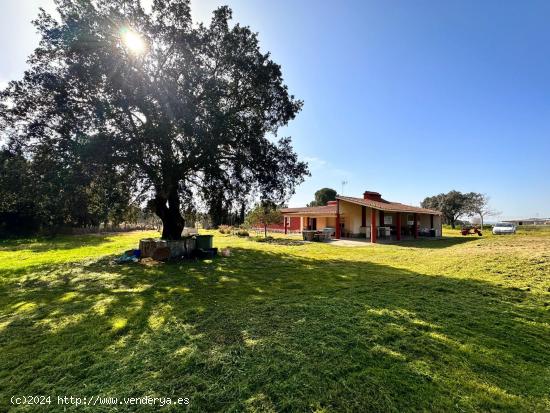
450,220
265,231
241,213
481,219
216,212
168,210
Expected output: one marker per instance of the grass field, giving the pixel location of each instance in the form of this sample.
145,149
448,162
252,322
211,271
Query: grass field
461,324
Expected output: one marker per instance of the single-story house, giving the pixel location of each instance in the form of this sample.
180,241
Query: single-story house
370,217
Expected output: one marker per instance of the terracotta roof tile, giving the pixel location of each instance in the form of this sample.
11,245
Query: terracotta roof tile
382,205
388,206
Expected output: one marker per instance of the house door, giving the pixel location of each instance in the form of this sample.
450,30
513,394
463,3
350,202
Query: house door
314,224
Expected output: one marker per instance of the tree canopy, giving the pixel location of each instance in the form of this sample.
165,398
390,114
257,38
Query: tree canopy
47,193
455,204
478,204
264,214
452,205
322,196
177,110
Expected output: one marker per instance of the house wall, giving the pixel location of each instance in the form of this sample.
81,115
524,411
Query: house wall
352,217
323,222
330,222
393,216
424,221
293,224
300,223
437,222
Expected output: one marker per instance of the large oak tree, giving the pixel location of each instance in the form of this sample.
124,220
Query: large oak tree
452,205
182,110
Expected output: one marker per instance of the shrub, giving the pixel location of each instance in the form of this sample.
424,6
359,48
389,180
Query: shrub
242,233
261,239
225,229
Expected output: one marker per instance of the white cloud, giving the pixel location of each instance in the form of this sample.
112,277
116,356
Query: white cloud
321,165
314,162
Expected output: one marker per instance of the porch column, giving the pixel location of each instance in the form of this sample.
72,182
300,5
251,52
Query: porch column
372,225
337,235
431,222
286,230
415,225
398,225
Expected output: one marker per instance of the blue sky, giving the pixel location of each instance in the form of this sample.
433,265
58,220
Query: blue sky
408,98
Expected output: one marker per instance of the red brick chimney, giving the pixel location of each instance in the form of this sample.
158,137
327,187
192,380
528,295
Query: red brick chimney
373,196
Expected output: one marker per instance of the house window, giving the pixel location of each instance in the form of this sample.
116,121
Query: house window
410,219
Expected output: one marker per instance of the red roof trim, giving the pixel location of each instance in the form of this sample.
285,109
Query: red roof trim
325,210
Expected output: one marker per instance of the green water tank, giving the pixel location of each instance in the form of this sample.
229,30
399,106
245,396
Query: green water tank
204,241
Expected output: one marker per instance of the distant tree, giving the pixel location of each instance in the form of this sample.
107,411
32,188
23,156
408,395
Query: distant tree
322,196
176,105
478,204
18,208
218,206
242,211
49,191
452,205
264,214
78,188
132,214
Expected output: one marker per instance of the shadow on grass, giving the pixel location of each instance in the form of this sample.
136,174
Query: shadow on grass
279,241
264,331
444,242
60,242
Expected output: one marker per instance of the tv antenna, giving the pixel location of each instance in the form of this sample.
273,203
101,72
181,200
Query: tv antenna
344,183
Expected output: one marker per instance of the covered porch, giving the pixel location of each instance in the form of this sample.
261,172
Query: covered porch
383,226
369,218
375,219
312,218
314,222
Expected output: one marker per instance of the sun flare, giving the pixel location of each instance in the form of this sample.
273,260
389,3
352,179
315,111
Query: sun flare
133,41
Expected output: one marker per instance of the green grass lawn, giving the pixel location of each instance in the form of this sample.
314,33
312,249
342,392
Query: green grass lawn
461,324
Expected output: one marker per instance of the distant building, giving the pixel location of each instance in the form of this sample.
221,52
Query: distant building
529,221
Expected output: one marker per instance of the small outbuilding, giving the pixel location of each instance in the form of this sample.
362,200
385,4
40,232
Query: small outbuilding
370,217
529,221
